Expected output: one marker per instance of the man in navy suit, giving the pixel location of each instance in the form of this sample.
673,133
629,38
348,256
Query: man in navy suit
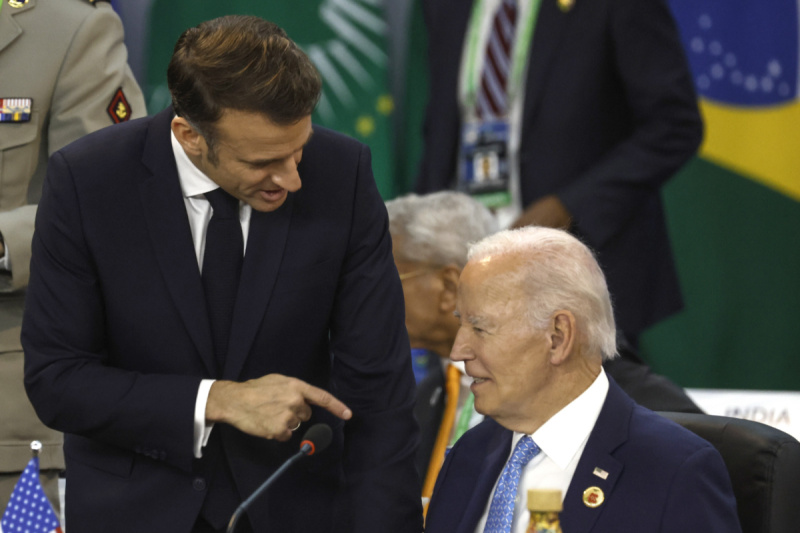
180,394
601,112
535,326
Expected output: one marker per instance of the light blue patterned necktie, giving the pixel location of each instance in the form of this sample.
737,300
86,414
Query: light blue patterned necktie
501,511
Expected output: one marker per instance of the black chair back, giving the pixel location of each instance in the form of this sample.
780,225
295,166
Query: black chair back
764,466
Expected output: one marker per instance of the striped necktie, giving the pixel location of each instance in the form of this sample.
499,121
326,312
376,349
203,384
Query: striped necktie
492,99
501,511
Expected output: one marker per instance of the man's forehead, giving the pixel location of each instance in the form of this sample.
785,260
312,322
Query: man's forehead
234,120
493,272
257,136
485,290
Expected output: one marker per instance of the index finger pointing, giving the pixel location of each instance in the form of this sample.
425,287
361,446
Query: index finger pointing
326,400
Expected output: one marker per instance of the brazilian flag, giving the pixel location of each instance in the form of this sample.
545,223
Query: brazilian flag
734,212
346,40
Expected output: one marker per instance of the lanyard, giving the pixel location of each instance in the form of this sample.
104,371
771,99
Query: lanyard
522,41
463,420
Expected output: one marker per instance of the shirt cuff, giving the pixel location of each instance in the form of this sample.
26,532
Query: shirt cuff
201,430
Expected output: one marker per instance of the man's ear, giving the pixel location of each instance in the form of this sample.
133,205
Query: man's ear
562,334
447,298
189,138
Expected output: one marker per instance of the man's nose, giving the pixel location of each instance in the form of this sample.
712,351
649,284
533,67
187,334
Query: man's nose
287,176
461,350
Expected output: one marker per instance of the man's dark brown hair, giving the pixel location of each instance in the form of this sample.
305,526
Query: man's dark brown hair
244,63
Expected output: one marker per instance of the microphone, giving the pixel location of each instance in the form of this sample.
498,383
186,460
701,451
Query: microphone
316,439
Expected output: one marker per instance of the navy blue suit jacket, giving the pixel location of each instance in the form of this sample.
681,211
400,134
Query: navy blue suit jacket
117,339
661,477
609,115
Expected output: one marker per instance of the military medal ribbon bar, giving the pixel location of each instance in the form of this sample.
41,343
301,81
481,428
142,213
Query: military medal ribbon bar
15,109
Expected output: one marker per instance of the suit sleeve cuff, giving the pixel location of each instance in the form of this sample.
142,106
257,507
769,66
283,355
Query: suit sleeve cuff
201,430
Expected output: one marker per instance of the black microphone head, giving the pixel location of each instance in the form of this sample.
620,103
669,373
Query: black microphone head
316,439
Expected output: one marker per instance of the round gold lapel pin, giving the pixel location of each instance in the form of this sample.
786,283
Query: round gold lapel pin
593,497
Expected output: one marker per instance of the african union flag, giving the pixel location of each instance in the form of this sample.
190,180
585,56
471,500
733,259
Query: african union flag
734,212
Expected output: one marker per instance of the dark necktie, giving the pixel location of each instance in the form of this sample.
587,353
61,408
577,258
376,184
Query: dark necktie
222,264
493,91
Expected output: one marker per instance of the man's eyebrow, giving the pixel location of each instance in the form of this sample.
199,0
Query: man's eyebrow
475,320
471,319
265,162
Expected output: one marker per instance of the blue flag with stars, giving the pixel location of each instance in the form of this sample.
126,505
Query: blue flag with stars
29,510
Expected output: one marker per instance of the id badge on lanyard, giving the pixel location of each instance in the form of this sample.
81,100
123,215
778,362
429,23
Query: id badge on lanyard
484,169
484,162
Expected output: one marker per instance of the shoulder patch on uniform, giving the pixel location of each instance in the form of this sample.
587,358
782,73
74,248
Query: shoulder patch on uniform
119,109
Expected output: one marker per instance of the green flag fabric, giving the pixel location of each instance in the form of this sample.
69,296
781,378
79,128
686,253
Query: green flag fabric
734,212
346,40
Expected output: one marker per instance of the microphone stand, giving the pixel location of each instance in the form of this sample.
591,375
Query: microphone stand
305,450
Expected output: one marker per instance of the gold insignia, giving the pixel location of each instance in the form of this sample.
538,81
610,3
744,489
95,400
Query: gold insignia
17,3
566,5
593,497
121,111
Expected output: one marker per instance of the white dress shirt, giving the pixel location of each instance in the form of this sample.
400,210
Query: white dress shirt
194,185
562,440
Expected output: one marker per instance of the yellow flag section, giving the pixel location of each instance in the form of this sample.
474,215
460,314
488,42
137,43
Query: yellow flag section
762,143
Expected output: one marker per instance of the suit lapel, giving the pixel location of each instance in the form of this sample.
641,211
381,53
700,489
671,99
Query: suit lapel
550,26
171,236
265,245
610,431
9,28
493,464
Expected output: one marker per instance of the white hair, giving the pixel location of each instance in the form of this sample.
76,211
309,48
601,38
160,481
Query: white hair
438,228
558,272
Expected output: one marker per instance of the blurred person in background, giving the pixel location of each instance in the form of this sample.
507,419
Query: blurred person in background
567,114
63,74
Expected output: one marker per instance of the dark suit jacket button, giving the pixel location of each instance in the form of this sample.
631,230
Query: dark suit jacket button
199,484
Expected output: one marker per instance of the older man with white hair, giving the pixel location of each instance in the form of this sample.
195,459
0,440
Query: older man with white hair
536,323
430,238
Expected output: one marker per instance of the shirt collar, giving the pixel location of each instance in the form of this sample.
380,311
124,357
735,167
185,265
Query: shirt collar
458,364
561,437
193,182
